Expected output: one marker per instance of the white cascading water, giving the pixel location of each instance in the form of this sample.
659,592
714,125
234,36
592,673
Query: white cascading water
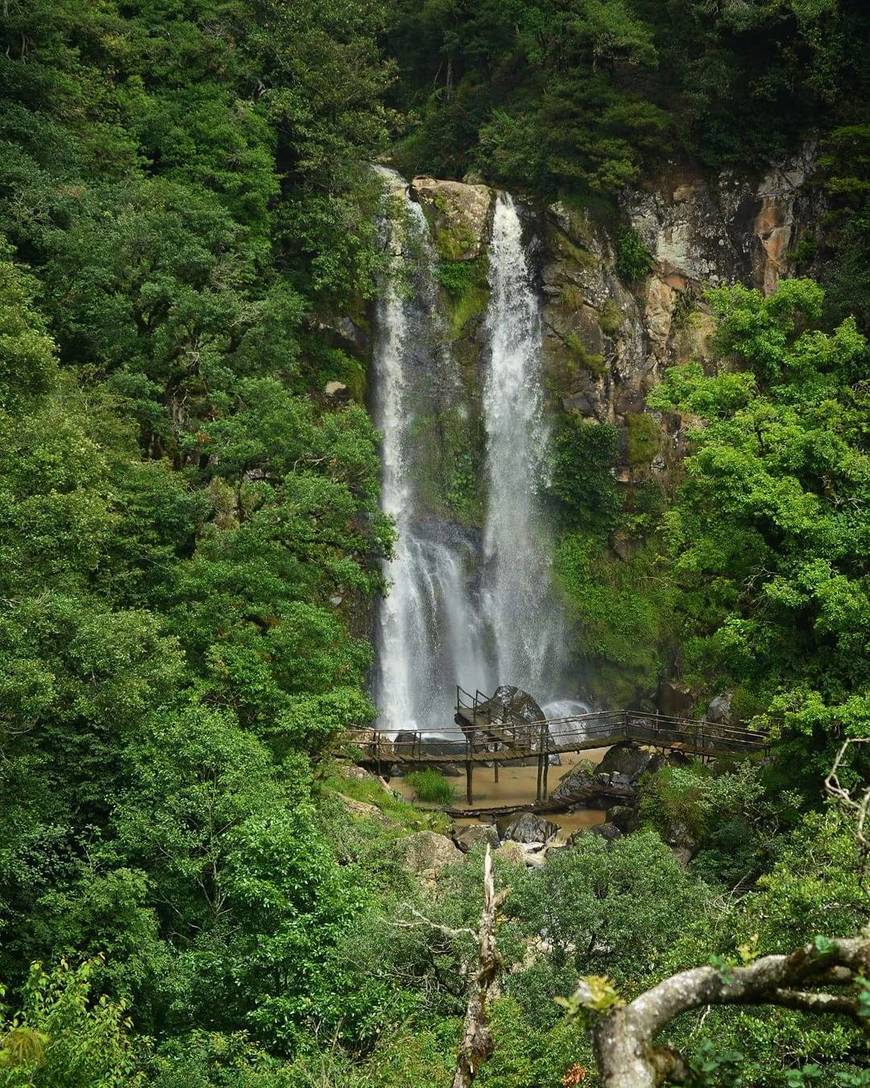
426,634
526,623
451,615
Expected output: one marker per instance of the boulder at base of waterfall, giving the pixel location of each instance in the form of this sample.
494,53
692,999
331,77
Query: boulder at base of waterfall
588,787
625,759
518,853
526,828
469,836
426,853
625,817
719,710
607,831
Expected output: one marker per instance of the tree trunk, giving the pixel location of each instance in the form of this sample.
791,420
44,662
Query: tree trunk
477,1043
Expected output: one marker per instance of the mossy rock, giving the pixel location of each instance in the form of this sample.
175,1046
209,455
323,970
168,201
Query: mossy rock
611,319
466,286
643,438
465,309
582,356
568,250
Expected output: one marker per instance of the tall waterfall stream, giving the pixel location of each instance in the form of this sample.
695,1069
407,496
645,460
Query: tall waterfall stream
463,607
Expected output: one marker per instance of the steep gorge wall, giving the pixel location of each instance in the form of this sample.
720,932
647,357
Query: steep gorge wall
606,341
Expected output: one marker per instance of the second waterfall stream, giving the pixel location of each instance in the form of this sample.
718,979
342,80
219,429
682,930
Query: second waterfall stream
469,605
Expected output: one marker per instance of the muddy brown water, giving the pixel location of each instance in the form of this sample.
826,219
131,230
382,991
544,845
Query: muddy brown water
516,786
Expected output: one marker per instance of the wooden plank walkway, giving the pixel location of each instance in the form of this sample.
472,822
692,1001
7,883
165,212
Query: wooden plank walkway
487,733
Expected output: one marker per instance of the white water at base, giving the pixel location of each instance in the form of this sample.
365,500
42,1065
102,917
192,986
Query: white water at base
564,708
526,623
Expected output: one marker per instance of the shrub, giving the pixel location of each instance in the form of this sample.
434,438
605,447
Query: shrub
633,259
582,455
643,438
431,786
457,276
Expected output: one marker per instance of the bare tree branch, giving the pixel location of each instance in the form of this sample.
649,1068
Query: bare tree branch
860,804
623,1037
477,1043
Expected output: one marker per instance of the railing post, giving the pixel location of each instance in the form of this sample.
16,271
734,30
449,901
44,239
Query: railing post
540,773
545,748
468,770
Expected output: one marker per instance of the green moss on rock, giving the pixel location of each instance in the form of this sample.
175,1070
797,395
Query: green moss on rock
610,318
589,360
643,438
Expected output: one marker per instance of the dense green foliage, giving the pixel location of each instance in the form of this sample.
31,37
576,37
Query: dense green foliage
192,894
188,533
588,92
769,529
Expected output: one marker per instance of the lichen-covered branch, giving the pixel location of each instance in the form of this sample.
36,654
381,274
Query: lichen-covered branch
477,1043
623,1038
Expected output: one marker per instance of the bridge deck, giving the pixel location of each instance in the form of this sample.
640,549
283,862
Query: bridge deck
484,738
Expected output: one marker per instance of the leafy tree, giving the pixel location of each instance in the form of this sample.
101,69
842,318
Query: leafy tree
767,530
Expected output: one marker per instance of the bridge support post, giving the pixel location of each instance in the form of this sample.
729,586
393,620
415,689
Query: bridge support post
540,777
495,769
545,759
469,795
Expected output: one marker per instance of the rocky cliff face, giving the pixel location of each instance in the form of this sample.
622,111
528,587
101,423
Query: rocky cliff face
607,340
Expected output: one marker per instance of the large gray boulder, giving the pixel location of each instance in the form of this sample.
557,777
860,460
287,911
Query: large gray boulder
467,837
425,853
630,762
719,709
527,828
592,789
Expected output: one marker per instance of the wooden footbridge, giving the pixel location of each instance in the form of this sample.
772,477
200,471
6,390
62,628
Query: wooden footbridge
491,733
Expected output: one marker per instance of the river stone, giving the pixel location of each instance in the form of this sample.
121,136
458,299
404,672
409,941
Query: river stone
426,853
607,831
518,853
466,837
512,852
591,788
625,817
628,763
527,828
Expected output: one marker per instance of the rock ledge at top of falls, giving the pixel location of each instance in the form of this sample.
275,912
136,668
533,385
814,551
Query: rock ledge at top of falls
458,213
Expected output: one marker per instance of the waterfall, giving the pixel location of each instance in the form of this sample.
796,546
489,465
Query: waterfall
426,630
462,607
526,622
